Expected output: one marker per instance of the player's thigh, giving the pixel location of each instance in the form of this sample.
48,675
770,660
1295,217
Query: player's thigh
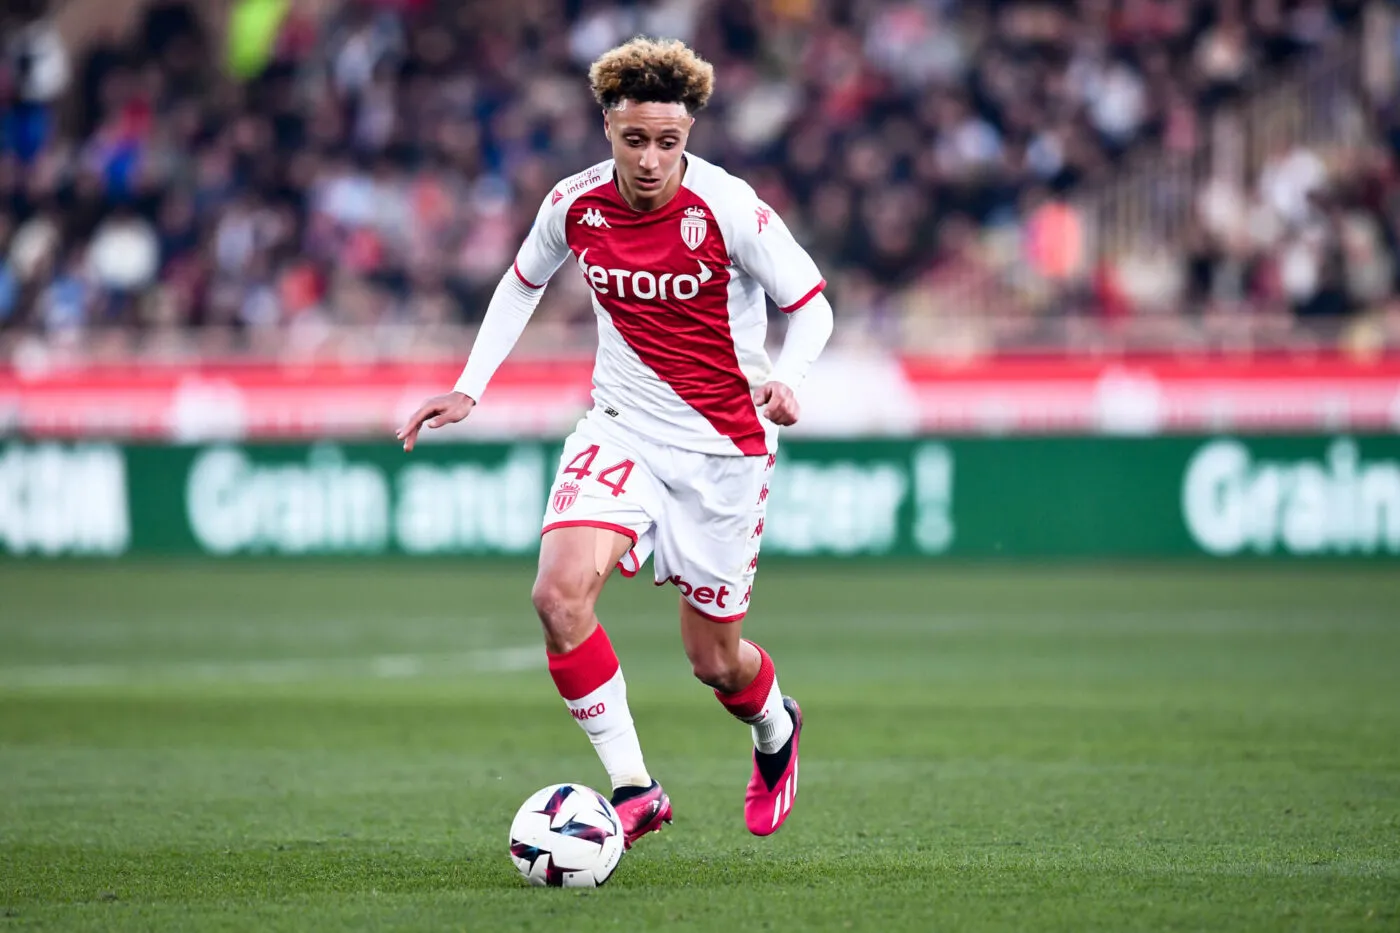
709,536
601,511
573,566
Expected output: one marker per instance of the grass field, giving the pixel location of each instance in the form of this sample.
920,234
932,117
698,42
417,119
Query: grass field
287,747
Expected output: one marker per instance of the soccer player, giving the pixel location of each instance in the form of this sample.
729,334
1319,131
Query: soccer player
673,459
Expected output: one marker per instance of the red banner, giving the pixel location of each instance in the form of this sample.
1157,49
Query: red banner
272,401
1156,395
845,395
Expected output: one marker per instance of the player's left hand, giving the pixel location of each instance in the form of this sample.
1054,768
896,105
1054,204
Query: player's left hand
781,403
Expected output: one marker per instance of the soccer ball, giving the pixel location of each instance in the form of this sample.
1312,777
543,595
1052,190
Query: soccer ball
566,836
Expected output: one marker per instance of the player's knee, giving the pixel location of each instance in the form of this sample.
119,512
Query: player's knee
554,603
719,671
563,611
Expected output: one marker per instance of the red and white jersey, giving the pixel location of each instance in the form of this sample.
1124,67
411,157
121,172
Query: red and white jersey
679,294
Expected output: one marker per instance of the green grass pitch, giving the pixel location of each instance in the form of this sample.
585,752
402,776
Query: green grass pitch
260,746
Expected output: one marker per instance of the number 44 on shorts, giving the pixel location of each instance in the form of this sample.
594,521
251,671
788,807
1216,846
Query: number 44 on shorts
613,477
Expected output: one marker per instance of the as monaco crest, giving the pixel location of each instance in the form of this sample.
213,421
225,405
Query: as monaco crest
694,227
564,496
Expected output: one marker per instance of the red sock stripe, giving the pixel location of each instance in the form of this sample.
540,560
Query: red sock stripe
579,672
748,702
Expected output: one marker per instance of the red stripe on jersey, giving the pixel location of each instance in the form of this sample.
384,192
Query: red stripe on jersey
521,276
686,342
797,305
694,355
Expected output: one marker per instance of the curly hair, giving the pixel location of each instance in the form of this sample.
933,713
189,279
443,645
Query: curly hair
652,71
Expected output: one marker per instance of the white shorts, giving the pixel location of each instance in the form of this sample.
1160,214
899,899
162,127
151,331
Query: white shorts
699,516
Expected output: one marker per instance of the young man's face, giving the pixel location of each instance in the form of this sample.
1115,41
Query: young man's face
647,143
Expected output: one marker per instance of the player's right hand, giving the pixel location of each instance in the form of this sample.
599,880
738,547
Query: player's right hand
441,409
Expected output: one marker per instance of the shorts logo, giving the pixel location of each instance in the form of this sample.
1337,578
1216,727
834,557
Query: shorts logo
704,595
564,496
584,713
694,227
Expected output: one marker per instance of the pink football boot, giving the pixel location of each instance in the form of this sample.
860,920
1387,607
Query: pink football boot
642,811
773,787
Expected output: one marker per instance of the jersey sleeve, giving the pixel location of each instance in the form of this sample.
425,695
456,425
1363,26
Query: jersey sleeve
545,248
764,247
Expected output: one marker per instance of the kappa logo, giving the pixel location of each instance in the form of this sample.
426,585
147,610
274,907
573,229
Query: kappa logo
594,218
564,496
694,226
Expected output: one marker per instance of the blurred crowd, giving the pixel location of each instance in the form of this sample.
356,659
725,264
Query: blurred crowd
276,176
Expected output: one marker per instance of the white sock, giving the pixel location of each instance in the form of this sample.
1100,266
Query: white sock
773,727
604,715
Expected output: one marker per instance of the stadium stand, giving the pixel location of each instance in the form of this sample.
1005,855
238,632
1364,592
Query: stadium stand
282,177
